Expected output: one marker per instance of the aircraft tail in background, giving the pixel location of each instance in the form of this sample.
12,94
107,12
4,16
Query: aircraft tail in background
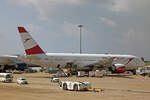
30,45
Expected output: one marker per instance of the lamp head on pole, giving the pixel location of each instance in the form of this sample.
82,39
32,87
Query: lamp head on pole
80,26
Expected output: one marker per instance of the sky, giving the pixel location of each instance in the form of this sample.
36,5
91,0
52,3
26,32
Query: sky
109,26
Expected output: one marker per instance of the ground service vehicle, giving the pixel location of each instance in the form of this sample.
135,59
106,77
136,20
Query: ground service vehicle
6,77
144,71
54,79
75,86
22,81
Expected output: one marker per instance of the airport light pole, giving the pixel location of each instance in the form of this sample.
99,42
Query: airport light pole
80,27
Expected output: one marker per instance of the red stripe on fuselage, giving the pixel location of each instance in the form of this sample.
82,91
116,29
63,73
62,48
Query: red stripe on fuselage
22,30
34,50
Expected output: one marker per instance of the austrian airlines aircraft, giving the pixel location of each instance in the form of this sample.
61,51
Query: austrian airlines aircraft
117,63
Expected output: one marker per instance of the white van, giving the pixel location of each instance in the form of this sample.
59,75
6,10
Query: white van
6,77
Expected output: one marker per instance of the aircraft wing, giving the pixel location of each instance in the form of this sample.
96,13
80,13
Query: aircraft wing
7,61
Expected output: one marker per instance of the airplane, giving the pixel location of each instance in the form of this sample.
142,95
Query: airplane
114,62
7,62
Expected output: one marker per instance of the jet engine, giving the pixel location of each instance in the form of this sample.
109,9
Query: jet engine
118,68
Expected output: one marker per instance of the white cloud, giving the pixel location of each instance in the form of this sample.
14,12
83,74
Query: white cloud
37,2
107,21
120,6
44,8
129,5
41,6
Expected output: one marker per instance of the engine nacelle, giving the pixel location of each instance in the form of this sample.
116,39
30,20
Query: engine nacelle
118,68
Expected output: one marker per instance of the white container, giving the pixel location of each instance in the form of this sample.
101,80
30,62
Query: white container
91,73
81,73
98,73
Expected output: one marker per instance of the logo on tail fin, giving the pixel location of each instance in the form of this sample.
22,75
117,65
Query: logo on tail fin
27,40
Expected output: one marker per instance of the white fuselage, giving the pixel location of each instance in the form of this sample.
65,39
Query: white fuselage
82,60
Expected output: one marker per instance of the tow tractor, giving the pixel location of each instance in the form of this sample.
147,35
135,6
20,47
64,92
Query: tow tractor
77,86
74,86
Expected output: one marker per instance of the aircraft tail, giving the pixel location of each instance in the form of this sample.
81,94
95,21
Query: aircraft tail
31,47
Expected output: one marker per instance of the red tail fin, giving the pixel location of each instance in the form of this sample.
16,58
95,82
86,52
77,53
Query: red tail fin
31,47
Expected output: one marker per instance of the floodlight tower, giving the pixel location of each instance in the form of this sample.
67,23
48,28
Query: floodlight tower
80,27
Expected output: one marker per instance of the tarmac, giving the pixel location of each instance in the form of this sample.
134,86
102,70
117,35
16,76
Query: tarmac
117,87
